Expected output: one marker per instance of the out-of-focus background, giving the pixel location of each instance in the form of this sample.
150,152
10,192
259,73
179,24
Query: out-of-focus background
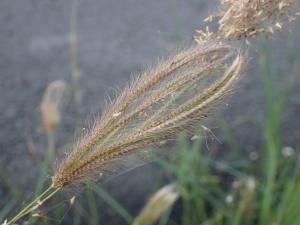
114,40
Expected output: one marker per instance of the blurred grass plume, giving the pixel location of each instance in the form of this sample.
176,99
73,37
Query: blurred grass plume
52,103
157,205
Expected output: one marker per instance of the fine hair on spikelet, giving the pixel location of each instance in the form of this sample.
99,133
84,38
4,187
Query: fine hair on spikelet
162,102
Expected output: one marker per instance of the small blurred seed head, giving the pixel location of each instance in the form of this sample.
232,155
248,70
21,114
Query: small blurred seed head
229,199
253,156
250,184
287,151
52,103
158,204
249,194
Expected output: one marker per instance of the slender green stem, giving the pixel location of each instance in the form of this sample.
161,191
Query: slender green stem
51,146
37,202
74,59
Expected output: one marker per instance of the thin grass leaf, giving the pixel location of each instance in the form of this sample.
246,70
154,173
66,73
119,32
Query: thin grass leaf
113,203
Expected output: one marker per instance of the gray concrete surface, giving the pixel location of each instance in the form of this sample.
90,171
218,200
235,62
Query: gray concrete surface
115,39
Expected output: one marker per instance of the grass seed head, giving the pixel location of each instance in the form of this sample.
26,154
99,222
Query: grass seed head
52,103
250,18
160,103
157,205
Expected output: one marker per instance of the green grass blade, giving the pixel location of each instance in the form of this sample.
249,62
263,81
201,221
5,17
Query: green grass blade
113,203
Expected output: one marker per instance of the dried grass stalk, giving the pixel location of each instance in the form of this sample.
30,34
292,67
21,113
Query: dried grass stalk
156,106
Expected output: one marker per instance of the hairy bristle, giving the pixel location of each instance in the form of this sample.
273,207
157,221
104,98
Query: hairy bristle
161,103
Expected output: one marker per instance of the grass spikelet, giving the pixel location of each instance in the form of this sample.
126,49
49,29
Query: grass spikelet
158,105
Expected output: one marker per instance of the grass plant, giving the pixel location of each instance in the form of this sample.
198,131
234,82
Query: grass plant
158,105
163,102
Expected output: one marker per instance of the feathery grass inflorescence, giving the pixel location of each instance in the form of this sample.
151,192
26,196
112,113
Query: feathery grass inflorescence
156,106
250,18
